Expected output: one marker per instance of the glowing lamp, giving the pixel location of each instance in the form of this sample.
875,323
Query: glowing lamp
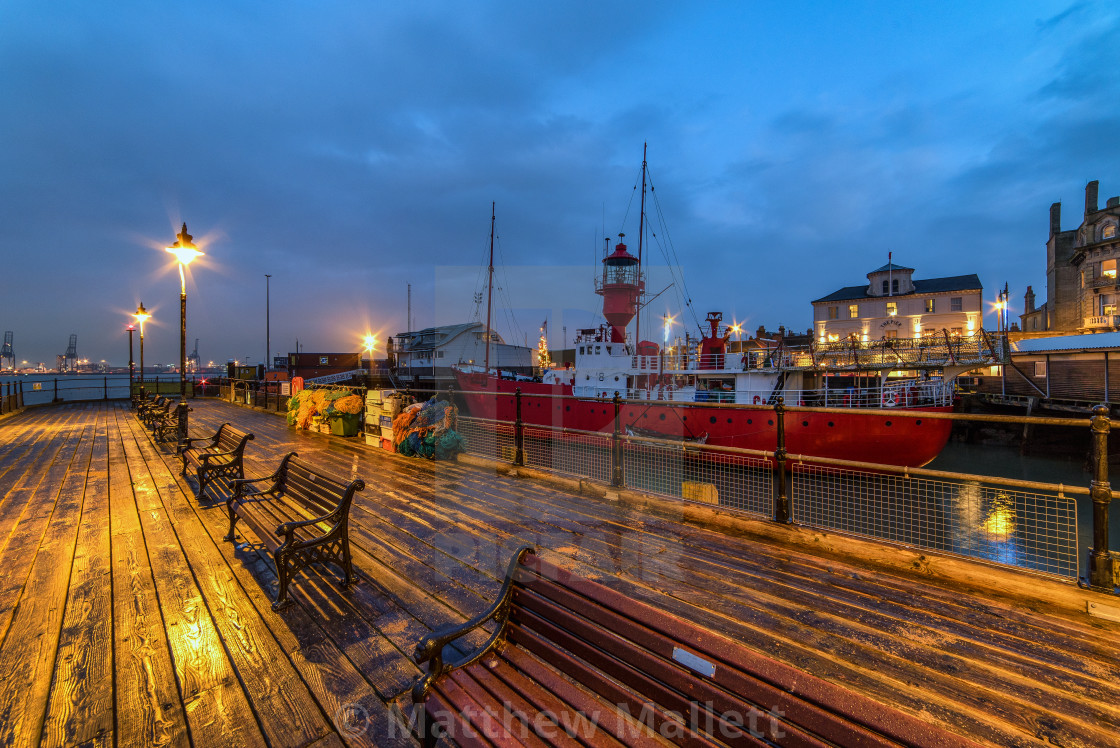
183,248
141,315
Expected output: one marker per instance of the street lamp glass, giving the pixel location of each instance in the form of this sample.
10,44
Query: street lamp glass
183,248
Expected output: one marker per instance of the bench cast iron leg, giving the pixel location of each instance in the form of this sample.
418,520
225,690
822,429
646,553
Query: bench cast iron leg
232,521
284,571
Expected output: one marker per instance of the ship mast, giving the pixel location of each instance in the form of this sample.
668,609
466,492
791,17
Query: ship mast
641,235
489,287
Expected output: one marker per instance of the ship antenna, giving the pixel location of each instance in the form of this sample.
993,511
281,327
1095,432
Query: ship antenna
641,234
489,287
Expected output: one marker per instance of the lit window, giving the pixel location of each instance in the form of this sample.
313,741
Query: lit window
892,308
833,312
955,332
890,334
956,304
1108,268
930,306
853,310
1107,304
1109,231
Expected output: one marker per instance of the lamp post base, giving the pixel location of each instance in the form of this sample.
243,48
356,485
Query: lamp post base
181,411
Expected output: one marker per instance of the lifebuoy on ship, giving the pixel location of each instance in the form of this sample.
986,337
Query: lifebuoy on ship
890,399
757,399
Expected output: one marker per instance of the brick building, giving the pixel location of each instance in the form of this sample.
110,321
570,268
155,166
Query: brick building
1082,288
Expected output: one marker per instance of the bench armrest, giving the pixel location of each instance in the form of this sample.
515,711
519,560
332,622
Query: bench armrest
238,484
430,648
288,528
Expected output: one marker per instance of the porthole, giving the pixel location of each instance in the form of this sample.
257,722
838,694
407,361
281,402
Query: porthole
918,422
567,408
804,423
729,420
771,422
888,423
831,424
750,421
712,419
662,417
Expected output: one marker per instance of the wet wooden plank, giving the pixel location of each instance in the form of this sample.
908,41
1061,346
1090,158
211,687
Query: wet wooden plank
28,653
81,700
218,712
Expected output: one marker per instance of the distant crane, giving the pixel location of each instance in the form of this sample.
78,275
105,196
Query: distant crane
192,360
69,360
6,351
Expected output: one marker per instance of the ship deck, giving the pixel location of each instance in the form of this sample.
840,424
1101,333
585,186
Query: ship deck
126,619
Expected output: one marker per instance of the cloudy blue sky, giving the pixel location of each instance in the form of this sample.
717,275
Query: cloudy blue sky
350,149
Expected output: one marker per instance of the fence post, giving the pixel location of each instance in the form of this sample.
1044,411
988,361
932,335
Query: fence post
20,397
781,498
55,400
105,382
518,433
616,445
1100,559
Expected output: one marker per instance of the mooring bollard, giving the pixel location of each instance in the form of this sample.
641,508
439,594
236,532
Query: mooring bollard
781,498
518,431
1100,559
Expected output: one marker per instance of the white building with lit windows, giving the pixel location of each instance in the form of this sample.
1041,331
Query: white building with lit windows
892,304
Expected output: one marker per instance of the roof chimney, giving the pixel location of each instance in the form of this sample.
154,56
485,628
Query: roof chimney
1055,219
1091,197
1028,301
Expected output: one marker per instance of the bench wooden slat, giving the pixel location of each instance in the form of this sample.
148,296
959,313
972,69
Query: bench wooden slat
544,685
609,631
609,653
219,456
536,731
303,517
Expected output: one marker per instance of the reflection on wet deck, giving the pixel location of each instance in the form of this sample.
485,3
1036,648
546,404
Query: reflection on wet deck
126,619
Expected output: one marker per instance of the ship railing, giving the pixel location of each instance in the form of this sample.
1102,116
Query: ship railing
930,393
1029,525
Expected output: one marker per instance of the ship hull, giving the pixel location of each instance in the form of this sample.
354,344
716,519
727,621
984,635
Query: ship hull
899,436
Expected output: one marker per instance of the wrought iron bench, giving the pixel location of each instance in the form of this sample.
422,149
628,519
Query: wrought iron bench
150,407
165,423
569,657
302,517
218,456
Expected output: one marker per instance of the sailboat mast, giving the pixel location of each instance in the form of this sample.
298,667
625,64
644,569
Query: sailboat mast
489,286
641,235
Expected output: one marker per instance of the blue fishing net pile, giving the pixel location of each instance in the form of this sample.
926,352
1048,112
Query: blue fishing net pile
429,433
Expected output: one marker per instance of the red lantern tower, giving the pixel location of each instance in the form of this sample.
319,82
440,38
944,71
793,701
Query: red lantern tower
621,287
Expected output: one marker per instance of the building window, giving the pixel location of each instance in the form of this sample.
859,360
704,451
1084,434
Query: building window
1108,268
890,334
930,306
955,332
853,310
956,304
886,288
1107,304
1040,368
894,285
833,312
892,308
1109,231
324,360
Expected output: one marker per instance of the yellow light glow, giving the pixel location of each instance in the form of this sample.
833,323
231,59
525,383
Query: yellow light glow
142,315
1000,523
183,248
971,324
370,342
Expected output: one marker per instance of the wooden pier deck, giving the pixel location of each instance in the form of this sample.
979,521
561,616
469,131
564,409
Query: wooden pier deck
127,620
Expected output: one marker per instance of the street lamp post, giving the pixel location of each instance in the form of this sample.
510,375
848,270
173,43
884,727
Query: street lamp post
370,343
141,315
184,251
131,363
267,331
